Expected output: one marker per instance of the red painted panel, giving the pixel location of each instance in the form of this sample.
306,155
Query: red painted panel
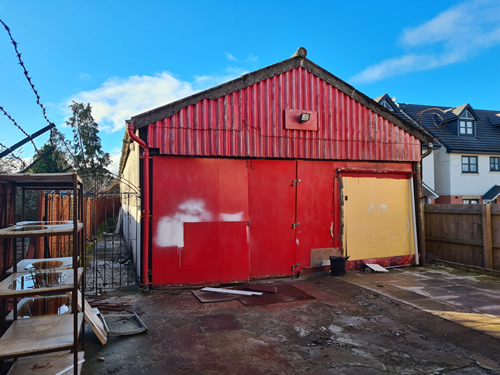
166,256
188,193
178,199
233,189
314,208
199,260
272,212
195,263
292,120
233,252
249,123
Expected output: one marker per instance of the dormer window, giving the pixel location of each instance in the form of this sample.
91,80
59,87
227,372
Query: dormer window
466,124
387,105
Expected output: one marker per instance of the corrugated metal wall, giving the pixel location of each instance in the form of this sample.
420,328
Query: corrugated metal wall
250,123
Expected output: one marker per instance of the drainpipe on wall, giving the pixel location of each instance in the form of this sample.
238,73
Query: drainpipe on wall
146,213
420,204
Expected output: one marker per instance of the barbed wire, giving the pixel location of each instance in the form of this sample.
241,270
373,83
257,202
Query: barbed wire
25,71
13,155
38,100
19,127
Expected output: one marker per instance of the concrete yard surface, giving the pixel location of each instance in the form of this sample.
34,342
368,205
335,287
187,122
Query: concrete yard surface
348,327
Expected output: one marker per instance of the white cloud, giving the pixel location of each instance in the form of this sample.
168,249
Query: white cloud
206,81
230,56
455,35
118,99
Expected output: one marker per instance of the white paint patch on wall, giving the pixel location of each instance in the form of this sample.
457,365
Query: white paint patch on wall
231,217
170,229
382,207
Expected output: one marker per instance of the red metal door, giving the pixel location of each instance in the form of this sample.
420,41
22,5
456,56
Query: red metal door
271,199
233,216
314,208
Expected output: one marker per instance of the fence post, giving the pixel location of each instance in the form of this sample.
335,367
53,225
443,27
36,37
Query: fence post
487,237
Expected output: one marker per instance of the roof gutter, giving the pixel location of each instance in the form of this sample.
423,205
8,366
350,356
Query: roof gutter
430,148
146,213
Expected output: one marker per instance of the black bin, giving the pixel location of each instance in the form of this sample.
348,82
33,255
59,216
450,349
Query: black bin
338,265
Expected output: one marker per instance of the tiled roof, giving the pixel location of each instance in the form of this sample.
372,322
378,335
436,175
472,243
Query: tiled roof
494,119
492,193
441,123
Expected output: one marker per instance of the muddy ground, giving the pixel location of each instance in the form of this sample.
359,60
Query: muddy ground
344,330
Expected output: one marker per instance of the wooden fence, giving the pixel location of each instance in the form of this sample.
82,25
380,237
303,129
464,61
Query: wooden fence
467,234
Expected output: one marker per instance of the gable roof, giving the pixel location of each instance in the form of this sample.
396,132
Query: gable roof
386,99
297,60
440,121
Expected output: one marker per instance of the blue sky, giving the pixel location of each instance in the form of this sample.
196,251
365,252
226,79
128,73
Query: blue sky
125,57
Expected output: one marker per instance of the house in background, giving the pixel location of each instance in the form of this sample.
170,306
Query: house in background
268,175
465,165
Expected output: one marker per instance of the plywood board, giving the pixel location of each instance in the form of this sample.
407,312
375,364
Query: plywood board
28,336
46,364
378,219
319,255
91,318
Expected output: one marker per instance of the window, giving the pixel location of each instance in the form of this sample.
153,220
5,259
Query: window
466,123
387,105
470,201
494,164
469,164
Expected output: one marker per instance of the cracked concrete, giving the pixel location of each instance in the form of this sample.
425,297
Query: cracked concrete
346,329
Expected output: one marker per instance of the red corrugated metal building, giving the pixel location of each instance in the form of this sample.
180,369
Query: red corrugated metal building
250,179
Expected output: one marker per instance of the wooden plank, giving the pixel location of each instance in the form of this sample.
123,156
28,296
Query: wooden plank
91,318
473,210
454,240
29,336
46,364
487,237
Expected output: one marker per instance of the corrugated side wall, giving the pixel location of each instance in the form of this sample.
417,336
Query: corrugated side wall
250,123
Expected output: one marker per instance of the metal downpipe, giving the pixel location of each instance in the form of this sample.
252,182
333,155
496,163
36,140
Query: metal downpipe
146,213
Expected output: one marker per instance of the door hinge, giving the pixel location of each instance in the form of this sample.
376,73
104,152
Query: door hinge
295,225
295,182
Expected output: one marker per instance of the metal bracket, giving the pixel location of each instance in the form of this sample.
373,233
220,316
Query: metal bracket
295,266
295,225
294,182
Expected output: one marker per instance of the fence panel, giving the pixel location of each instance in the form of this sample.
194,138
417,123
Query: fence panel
467,234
